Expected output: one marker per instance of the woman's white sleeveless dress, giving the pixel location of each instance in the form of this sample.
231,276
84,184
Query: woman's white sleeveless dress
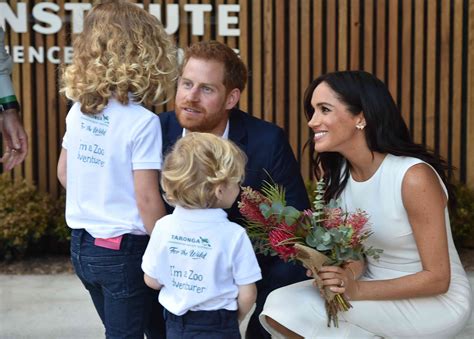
300,308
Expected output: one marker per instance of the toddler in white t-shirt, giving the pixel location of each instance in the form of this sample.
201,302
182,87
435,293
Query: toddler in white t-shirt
204,264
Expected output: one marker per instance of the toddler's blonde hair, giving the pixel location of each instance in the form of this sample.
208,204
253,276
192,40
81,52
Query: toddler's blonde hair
198,163
123,49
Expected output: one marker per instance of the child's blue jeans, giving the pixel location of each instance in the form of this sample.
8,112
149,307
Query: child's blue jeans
115,282
220,324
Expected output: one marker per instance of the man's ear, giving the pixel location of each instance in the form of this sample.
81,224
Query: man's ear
232,98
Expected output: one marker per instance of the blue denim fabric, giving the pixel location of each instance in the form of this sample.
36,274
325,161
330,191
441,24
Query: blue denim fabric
220,324
115,282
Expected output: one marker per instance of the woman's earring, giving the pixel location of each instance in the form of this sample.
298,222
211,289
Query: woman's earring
360,126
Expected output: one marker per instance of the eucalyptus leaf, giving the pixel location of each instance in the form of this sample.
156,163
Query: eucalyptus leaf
266,210
311,240
277,207
323,247
326,238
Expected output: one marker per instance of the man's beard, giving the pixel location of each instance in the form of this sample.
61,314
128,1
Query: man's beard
204,123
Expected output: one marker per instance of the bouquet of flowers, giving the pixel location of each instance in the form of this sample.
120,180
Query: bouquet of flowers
326,235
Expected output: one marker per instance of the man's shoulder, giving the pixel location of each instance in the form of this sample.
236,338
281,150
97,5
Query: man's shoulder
254,124
167,117
169,124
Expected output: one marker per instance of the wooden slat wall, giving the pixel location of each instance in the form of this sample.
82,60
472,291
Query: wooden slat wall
422,49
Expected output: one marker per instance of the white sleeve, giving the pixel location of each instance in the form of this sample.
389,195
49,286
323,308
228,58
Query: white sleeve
73,111
147,146
6,87
245,266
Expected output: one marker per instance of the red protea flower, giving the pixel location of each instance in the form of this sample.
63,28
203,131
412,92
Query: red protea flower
334,217
249,203
280,241
357,220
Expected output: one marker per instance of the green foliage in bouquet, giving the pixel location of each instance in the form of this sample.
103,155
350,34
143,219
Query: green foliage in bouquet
276,207
336,233
24,216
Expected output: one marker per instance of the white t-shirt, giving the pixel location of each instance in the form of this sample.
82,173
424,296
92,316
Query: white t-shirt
200,258
103,150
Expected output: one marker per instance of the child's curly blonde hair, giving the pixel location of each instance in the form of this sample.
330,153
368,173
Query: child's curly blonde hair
123,49
198,163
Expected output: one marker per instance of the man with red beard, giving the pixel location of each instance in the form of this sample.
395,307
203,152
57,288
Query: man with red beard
212,79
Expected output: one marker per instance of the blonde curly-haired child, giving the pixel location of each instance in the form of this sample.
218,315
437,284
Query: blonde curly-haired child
204,264
111,157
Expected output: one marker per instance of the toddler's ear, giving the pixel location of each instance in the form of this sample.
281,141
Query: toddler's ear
219,192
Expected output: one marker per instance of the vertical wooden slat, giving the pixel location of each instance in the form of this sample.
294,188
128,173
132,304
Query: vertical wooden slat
317,38
184,25
457,86
27,110
369,36
62,41
207,22
355,35
317,62
280,74
342,39
232,40
41,100
418,70
381,43
257,59
196,38
444,63
431,74
406,65
244,48
331,43
218,36
305,77
293,88
268,60
470,99
393,48
169,106
51,119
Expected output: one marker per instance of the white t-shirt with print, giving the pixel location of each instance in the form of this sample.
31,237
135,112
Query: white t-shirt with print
200,258
103,150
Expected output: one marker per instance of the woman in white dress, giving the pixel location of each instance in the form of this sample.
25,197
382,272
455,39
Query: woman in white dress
418,288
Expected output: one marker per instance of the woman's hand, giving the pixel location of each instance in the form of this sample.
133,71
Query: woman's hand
339,280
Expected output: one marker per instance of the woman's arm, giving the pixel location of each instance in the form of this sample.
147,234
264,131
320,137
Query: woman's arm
425,202
246,299
149,200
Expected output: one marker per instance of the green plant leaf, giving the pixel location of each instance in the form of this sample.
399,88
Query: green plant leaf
266,210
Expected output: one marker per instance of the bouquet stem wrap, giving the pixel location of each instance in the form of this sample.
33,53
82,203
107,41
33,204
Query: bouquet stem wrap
314,260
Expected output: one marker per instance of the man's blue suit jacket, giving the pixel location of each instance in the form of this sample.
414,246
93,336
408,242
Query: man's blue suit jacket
267,149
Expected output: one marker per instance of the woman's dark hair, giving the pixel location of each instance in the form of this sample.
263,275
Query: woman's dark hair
385,130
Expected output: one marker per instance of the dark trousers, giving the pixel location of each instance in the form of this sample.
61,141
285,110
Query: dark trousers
115,282
219,324
275,274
